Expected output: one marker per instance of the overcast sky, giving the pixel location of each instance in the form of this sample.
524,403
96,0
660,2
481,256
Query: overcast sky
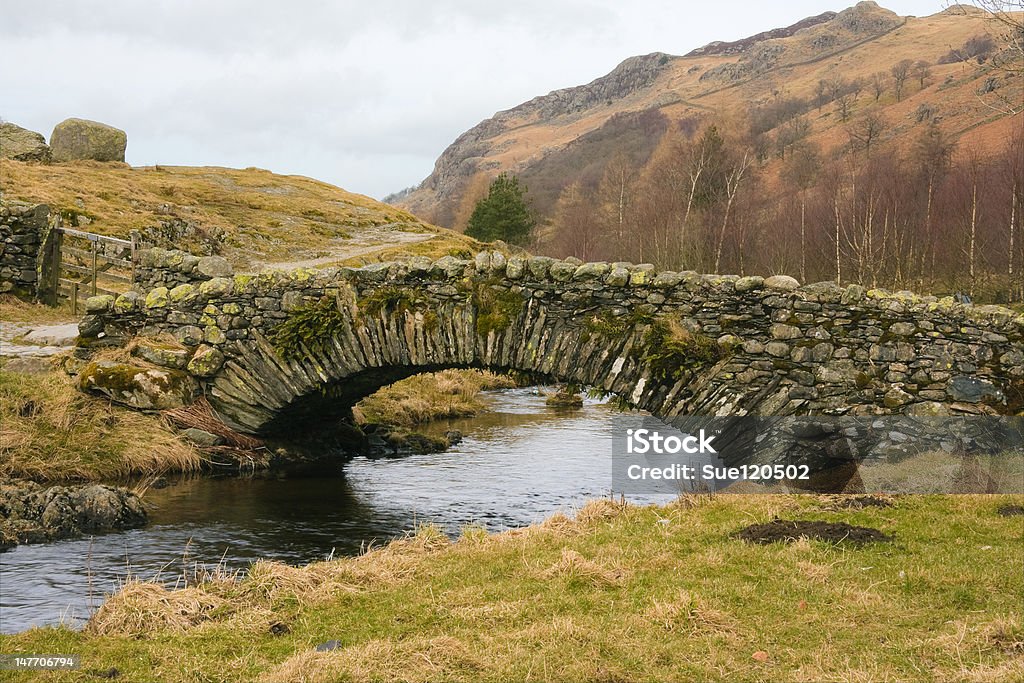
364,95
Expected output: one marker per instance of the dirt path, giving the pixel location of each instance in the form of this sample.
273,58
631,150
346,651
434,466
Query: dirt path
367,242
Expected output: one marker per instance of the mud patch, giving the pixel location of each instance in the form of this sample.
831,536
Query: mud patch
785,531
1010,510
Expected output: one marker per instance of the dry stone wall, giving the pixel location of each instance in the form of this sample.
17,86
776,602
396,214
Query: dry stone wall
22,230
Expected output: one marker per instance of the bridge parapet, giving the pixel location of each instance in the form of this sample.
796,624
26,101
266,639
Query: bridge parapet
671,343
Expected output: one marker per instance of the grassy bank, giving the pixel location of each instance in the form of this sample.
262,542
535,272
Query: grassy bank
430,396
50,431
619,594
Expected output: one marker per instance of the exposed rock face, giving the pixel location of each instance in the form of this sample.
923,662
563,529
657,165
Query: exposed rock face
138,387
735,47
817,37
22,144
81,139
460,159
32,513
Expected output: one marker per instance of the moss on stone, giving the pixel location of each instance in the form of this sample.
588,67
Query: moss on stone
607,324
182,292
309,326
496,308
393,300
157,298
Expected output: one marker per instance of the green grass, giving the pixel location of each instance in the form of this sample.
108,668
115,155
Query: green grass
621,594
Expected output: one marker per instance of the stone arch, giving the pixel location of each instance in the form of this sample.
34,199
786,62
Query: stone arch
786,349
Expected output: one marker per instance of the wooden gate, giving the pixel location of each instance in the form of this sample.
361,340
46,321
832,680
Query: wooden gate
81,264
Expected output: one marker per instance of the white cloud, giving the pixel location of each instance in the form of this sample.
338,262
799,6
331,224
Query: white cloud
363,95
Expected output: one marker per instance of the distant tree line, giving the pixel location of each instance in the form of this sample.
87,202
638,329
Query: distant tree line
929,217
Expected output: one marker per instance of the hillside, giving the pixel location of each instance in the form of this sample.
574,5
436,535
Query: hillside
571,134
255,218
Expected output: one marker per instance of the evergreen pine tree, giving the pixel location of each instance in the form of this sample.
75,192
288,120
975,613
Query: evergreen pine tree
502,214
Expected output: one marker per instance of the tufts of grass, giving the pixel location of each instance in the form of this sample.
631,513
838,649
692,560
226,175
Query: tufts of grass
618,592
49,431
671,351
15,310
431,396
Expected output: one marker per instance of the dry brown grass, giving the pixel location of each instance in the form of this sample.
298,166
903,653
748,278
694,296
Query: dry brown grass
431,396
263,216
688,612
49,431
15,310
573,567
142,607
415,659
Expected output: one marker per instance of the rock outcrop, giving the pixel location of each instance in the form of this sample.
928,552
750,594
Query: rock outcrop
74,139
22,144
32,513
139,387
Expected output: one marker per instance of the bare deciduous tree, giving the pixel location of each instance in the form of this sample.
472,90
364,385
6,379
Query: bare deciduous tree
865,131
879,83
900,71
922,72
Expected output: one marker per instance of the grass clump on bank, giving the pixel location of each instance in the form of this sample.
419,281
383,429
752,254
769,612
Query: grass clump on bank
618,593
49,431
671,351
430,396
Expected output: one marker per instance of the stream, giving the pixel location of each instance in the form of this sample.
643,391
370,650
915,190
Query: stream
519,462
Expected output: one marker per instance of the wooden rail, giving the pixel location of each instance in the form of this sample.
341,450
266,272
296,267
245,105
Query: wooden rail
92,264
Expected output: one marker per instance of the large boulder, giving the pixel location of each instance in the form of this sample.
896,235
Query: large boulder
80,139
22,144
138,387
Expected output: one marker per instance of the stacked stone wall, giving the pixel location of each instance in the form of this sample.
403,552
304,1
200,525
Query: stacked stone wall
23,229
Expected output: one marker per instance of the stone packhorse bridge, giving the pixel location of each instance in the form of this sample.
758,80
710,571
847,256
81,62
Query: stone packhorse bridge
273,352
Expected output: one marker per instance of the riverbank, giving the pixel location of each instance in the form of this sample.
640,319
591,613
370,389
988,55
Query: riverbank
618,593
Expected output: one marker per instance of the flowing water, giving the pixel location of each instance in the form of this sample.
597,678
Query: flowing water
518,463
